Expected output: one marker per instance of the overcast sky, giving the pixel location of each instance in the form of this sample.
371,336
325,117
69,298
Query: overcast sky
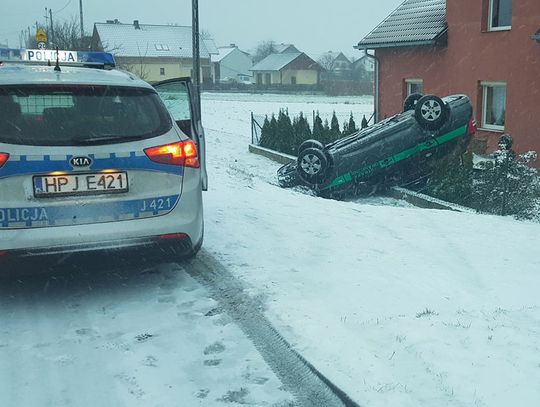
314,26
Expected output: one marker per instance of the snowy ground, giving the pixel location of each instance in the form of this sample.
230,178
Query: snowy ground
124,333
398,306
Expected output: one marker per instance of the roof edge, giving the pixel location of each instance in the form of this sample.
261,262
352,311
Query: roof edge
440,40
143,24
395,44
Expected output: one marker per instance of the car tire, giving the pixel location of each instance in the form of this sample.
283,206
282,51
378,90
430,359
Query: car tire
195,249
411,100
310,144
431,112
312,165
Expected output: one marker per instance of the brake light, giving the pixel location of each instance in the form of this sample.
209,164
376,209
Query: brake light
183,153
471,129
3,159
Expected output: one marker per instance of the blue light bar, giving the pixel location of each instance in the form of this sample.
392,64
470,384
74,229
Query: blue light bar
71,58
94,57
10,54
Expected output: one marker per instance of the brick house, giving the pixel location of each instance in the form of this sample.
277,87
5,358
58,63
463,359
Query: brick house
487,49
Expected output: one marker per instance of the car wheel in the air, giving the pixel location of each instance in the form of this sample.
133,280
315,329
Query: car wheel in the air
411,100
431,112
312,165
310,144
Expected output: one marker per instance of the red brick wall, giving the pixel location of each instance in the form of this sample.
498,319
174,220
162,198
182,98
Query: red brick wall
475,55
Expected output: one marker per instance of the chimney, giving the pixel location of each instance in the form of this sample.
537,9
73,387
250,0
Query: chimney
232,45
136,24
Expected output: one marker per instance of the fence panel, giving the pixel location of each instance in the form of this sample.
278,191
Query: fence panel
257,121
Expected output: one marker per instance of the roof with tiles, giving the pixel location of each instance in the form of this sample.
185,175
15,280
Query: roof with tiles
413,23
148,40
276,62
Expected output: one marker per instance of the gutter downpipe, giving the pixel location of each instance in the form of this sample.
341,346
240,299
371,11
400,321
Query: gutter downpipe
377,69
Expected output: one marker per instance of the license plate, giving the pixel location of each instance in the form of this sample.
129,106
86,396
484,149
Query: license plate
80,184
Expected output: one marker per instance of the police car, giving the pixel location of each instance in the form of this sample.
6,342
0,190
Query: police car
94,158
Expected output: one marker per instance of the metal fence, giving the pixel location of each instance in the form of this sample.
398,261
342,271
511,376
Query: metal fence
257,121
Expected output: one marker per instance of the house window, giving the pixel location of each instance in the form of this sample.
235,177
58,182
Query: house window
493,105
500,15
259,79
162,71
162,47
293,80
414,86
268,79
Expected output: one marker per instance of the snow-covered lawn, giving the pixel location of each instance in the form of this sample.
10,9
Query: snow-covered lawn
399,306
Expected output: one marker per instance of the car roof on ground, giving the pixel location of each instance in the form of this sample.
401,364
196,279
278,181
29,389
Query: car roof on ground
25,74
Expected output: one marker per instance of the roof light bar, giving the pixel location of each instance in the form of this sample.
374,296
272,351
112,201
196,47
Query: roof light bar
66,58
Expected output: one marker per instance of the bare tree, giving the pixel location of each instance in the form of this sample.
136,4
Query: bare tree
67,35
327,61
263,49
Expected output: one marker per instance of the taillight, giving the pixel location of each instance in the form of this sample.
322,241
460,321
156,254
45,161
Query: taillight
471,129
183,153
3,159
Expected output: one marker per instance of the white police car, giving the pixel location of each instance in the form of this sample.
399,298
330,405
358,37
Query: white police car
92,159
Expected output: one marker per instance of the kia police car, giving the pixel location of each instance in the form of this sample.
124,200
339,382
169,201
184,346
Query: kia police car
94,158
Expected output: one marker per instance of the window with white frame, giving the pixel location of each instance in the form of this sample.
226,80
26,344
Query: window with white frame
493,105
414,86
500,15
162,71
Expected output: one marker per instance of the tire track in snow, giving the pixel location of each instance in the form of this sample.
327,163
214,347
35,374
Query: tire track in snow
310,387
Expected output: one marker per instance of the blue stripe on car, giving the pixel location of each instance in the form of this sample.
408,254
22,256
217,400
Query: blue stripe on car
64,215
46,165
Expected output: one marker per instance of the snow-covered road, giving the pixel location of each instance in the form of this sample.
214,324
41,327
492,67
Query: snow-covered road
112,332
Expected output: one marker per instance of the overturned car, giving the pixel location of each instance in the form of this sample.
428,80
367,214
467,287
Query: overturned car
396,151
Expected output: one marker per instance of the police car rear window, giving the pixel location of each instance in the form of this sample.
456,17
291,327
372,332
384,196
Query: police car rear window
79,115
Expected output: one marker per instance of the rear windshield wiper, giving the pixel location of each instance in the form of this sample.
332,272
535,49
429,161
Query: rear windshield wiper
107,139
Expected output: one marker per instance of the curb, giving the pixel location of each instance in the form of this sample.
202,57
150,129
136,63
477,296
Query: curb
425,201
271,154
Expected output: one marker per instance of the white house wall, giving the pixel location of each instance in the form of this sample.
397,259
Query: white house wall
234,64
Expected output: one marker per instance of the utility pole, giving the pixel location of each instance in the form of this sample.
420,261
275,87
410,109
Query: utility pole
82,21
52,27
46,19
196,55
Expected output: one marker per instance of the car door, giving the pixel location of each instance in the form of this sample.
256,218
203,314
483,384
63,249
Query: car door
180,98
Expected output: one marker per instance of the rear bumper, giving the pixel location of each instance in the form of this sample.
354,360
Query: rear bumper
185,218
181,243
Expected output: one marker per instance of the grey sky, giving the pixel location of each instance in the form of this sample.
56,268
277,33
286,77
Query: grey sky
314,26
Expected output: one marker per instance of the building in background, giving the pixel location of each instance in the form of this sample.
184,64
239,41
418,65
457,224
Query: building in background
288,68
487,49
285,48
363,67
153,52
336,64
232,65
